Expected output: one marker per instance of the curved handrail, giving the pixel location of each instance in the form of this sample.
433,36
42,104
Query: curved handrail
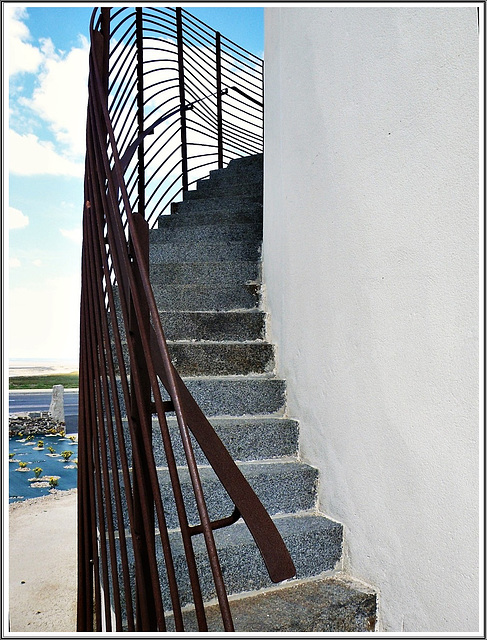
125,367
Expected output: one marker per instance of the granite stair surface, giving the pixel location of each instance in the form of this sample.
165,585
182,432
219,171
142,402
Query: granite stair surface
205,268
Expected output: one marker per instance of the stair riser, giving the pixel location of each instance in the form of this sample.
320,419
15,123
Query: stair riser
193,359
216,274
204,212
232,173
232,396
208,233
204,252
248,166
202,298
211,325
238,396
244,325
246,439
231,180
209,190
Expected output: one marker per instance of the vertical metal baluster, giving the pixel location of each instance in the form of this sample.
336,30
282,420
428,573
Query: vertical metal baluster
219,113
182,99
262,128
142,469
139,39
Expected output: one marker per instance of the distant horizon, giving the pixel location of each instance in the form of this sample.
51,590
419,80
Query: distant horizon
53,359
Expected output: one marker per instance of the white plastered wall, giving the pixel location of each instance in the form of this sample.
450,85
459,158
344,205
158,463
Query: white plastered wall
371,236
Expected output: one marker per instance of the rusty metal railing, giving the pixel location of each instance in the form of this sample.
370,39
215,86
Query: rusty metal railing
129,578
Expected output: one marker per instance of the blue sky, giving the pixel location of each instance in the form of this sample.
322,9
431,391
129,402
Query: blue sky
46,60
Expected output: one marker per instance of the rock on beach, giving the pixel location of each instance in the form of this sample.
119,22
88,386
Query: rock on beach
34,423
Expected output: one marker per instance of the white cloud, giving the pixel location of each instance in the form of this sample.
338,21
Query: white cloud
37,263
16,219
72,234
30,156
51,329
14,263
59,98
62,95
22,56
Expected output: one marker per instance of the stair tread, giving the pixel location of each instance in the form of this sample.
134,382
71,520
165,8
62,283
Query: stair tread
236,343
332,604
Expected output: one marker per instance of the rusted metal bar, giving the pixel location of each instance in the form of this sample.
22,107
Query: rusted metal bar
142,488
142,540
111,388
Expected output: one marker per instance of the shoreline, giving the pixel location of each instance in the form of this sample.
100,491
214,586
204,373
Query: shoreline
41,501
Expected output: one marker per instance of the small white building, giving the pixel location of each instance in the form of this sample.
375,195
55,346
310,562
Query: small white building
371,264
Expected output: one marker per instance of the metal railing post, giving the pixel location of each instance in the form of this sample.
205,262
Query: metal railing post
219,113
144,529
139,36
182,99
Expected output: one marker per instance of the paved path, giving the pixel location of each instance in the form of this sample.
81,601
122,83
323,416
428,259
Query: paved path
42,564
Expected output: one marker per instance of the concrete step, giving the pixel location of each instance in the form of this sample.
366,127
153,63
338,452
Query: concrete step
237,395
221,358
213,273
314,542
251,167
216,232
199,297
334,604
235,326
215,210
282,487
218,358
236,251
236,205
231,182
247,438
224,188
214,325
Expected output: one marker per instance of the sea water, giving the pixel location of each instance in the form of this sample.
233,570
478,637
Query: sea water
21,486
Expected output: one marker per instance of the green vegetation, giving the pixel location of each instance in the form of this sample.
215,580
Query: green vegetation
53,482
68,380
37,471
66,455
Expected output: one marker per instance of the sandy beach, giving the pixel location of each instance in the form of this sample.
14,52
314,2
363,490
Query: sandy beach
42,564
40,367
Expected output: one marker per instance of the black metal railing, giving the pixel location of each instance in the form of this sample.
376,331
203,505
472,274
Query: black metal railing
186,96
130,577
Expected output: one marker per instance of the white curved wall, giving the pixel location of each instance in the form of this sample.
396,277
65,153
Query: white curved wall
371,267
